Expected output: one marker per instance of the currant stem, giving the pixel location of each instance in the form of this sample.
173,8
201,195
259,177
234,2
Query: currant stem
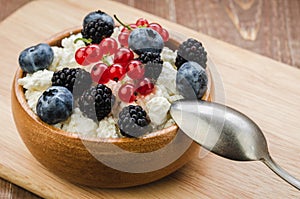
118,20
87,41
105,61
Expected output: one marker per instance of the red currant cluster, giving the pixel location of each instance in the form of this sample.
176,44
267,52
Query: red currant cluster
102,73
129,91
95,52
123,64
140,23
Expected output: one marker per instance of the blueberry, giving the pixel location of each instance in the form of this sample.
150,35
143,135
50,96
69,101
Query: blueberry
98,15
145,39
55,105
191,80
36,58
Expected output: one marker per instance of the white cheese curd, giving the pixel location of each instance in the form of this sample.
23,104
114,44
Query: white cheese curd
79,124
158,108
39,81
58,52
32,97
107,128
168,55
168,78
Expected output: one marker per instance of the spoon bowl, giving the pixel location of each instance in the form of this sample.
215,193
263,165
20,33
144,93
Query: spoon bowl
226,132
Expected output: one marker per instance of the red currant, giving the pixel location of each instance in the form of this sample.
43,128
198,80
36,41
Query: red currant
156,27
142,22
108,46
145,86
123,38
93,53
99,73
123,56
80,56
116,72
165,35
135,69
127,93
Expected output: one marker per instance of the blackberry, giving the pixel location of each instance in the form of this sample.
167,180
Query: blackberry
153,64
133,121
76,80
96,102
97,30
191,50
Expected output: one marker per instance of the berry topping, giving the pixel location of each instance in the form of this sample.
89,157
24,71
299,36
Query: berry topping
145,86
191,80
80,57
97,30
98,15
156,27
127,93
93,53
135,69
96,102
123,56
116,72
123,38
76,80
36,58
55,105
145,39
191,50
100,74
165,35
153,64
108,46
133,121
142,22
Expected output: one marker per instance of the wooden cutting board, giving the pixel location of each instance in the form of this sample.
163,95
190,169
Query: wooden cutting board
266,90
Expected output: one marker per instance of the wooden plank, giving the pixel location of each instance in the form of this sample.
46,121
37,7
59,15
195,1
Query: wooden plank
270,28
266,90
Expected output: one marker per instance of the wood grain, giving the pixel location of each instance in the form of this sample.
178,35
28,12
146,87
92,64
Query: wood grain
9,6
212,18
270,28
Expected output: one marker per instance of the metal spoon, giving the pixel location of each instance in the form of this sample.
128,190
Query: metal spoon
226,132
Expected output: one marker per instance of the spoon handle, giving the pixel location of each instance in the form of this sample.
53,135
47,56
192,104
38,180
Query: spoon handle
281,172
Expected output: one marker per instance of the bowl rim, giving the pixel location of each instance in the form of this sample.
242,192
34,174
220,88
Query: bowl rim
20,95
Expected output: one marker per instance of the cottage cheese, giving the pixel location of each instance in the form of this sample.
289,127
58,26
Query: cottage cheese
79,124
32,97
39,81
65,56
158,108
168,55
168,78
35,84
107,128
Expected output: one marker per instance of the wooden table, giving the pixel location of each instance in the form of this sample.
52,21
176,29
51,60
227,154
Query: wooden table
263,89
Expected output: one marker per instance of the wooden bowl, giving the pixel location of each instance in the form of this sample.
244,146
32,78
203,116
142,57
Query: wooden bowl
102,162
